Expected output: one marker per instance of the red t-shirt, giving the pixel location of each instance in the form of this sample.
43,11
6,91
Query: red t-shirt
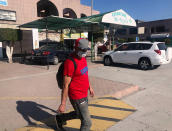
79,85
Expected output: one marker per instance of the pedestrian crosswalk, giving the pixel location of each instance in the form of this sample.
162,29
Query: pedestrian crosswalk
105,112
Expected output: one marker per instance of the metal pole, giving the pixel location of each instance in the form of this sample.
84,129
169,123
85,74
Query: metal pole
91,7
46,32
21,49
47,59
92,47
91,33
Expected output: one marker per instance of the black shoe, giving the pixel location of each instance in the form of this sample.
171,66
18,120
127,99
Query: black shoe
60,122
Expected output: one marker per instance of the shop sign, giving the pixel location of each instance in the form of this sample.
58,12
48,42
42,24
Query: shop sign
119,17
7,15
76,35
4,2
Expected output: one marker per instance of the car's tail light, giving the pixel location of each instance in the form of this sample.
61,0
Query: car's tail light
46,53
158,52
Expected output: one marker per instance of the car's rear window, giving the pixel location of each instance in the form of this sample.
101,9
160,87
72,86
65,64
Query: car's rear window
51,47
145,46
162,46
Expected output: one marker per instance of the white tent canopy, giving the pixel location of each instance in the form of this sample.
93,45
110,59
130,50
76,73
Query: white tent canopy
118,17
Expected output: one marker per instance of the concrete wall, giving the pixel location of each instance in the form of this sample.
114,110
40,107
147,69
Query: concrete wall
26,10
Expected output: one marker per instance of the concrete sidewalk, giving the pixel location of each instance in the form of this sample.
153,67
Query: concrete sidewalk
17,71
21,82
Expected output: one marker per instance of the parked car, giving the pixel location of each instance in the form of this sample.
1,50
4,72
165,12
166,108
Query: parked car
51,53
144,54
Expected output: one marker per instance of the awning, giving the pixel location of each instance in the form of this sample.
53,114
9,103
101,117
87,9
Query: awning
165,35
114,19
55,23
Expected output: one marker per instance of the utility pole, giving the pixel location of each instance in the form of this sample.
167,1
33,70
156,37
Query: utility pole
91,7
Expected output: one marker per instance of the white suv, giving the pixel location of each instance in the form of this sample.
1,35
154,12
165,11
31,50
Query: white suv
144,54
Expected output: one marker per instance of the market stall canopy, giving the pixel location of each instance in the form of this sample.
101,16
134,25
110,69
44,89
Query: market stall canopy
54,23
115,18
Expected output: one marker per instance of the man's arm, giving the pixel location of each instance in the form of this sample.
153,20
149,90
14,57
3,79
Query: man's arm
91,91
64,94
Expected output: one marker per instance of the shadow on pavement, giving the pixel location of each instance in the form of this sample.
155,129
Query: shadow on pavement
125,66
98,62
32,110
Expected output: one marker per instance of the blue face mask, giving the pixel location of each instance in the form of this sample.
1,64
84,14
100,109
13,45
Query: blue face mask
82,54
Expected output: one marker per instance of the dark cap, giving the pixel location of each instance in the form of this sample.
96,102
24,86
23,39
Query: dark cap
81,43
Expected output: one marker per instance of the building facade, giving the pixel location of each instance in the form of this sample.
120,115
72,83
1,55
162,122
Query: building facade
16,12
158,30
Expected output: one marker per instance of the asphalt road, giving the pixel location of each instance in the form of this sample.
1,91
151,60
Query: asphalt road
153,103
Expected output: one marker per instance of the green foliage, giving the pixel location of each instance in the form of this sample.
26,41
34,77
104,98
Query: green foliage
122,40
7,34
168,41
131,39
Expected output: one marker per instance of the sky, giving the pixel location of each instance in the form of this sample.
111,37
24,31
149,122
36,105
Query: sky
146,10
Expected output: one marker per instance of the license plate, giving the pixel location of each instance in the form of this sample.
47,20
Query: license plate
38,54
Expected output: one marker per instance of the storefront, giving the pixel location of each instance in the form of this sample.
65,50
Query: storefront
16,12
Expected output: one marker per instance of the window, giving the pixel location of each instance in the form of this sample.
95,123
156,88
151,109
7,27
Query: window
121,31
146,30
46,8
133,31
145,46
160,29
134,46
69,13
123,47
152,29
83,15
7,15
162,46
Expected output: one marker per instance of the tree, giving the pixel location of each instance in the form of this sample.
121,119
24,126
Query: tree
9,37
168,41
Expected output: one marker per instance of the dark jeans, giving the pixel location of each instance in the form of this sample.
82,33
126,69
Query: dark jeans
81,112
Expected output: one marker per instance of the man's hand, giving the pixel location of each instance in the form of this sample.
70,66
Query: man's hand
61,108
91,91
64,96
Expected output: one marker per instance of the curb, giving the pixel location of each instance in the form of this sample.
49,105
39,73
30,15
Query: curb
125,92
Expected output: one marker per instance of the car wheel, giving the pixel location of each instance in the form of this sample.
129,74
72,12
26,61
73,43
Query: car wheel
107,61
55,60
144,64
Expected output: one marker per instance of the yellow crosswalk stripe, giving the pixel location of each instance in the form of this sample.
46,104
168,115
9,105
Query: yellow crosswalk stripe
105,112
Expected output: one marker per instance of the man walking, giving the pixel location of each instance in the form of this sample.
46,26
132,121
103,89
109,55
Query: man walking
76,86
